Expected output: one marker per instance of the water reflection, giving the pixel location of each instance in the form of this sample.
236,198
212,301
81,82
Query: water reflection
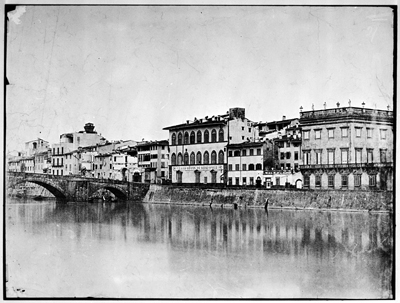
182,251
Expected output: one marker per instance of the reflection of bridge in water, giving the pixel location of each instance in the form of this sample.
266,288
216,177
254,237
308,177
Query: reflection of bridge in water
76,188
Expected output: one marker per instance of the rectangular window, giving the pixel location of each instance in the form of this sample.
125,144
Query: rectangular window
251,152
244,181
307,157
317,134
288,155
345,156
282,156
306,135
357,180
243,166
110,166
287,144
331,133
249,130
370,155
237,167
358,155
383,134
244,152
358,132
345,180
242,127
331,156
372,180
230,167
318,157
258,151
296,155
230,181
345,132
331,181
237,181
251,180
288,166
369,132
383,155
318,181
230,153
306,181
277,181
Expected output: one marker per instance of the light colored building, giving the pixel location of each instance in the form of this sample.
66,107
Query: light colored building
153,161
36,146
34,159
63,160
198,152
247,161
116,160
347,148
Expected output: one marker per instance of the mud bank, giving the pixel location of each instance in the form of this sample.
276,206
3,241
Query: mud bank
287,199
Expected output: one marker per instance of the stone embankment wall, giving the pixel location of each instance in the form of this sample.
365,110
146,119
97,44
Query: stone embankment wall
296,199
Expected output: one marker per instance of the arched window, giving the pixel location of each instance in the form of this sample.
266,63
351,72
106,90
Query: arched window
186,159
192,138
173,139
173,159
199,136
236,153
198,158
186,138
180,160
213,135
221,157
221,135
192,158
213,157
206,157
258,166
206,136
180,139
251,166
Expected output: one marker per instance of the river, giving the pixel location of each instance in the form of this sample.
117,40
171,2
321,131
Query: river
135,250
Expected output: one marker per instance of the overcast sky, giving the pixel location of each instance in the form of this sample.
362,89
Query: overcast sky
132,70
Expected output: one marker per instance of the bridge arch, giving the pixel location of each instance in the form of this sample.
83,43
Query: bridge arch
120,194
55,190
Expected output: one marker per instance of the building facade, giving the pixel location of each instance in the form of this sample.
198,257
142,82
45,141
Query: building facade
153,161
247,161
198,149
347,148
64,154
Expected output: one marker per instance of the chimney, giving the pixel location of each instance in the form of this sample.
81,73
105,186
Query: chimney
283,117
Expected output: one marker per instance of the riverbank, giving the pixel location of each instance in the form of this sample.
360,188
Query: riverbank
338,200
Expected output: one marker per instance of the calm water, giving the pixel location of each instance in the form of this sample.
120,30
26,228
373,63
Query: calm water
161,251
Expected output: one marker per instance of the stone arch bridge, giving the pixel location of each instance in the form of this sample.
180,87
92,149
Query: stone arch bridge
76,188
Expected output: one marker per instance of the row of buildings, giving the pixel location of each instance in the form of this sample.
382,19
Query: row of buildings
338,148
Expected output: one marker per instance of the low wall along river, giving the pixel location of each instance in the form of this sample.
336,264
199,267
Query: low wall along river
296,199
